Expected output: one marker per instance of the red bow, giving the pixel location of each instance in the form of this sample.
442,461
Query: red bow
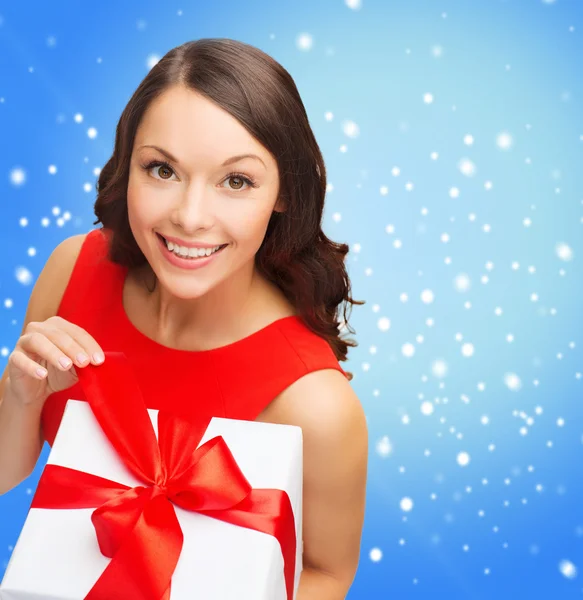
137,527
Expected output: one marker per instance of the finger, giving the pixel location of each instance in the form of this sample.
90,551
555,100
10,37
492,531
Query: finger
24,363
68,345
37,343
82,337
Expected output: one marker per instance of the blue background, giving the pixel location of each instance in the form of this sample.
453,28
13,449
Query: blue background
484,285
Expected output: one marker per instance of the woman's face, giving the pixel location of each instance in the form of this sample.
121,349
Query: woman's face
199,195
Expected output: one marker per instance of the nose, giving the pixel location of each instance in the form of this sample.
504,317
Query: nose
194,210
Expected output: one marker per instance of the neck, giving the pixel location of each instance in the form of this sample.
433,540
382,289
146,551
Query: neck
217,318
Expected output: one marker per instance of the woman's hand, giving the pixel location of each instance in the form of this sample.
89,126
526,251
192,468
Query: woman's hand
35,369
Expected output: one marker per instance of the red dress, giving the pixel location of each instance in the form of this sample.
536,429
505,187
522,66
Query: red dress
236,381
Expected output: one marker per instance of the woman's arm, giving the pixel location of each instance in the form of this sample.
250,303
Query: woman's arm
335,436
316,585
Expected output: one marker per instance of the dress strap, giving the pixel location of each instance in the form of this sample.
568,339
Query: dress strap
251,381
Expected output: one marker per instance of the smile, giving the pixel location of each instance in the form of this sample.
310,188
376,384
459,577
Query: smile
196,257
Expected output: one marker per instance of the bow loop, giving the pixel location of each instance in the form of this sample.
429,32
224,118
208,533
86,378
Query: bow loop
202,486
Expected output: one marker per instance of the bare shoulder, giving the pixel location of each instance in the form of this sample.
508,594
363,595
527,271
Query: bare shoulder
323,403
53,279
333,422
49,288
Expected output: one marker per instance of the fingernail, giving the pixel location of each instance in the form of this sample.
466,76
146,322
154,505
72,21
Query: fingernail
66,362
98,357
82,357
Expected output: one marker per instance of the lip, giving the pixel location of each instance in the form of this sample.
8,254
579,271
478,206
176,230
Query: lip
186,263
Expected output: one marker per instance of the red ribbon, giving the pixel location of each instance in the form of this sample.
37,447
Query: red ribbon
137,527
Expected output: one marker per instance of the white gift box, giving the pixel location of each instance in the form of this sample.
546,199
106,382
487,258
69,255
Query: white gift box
57,556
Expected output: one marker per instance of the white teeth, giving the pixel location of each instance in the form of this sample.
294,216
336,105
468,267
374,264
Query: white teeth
185,252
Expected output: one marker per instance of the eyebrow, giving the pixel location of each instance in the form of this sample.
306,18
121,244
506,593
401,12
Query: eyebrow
229,161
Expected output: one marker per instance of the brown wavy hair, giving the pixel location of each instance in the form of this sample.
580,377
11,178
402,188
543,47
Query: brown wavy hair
295,254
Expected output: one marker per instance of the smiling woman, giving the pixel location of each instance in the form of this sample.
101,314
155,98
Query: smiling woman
212,274
215,155
205,106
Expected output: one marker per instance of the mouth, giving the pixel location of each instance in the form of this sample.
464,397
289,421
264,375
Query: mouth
165,243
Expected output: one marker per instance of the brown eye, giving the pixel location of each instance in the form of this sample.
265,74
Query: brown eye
161,170
239,179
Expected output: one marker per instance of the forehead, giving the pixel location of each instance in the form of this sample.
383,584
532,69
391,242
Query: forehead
187,123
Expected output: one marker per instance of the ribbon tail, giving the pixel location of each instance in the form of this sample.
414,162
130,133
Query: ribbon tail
116,400
114,519
142,568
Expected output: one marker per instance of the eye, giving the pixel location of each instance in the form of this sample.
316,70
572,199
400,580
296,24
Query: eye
160,164
240,178
163,166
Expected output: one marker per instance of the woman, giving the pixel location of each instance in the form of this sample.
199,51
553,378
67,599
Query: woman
212,274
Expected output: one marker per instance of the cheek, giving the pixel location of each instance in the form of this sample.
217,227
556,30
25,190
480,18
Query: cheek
133,194
250,227
144,204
